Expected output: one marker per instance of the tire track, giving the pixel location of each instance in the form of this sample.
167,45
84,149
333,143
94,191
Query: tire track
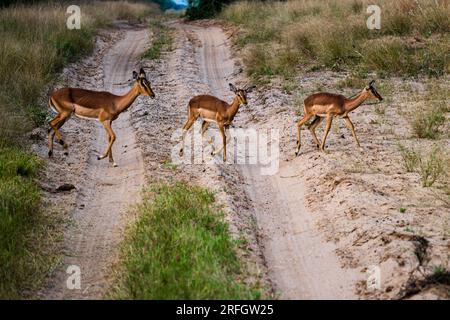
106,193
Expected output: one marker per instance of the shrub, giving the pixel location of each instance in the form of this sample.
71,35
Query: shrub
427,123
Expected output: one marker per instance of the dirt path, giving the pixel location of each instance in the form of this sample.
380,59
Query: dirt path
104,193
300,263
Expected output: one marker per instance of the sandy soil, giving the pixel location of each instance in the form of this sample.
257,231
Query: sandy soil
353,199
103,193
286,241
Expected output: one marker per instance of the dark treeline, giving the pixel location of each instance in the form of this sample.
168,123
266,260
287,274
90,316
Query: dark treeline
201,9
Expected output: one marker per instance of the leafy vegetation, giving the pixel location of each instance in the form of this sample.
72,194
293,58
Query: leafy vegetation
202,9
180,248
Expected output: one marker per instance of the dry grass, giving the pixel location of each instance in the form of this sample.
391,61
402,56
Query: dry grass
281,38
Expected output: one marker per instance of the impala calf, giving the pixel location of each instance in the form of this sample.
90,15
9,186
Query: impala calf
212,109
102,106
329,105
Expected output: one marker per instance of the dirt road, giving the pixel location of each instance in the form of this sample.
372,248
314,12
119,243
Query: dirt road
104,193
301,264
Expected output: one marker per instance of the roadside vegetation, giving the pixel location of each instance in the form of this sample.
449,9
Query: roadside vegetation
161,42
281,39
35,46
179,247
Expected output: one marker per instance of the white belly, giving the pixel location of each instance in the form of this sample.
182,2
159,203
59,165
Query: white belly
83,117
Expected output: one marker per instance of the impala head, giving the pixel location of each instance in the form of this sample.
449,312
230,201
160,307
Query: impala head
143,84
241,93
372,91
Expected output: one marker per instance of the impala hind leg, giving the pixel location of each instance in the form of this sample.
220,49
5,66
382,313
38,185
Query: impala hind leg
300,123
111,139
312,128
55,124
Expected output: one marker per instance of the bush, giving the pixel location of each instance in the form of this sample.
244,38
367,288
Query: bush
427,123
202,9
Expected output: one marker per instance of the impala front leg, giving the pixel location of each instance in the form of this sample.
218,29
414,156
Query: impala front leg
224,144
111,139
327,130
350,125
300,123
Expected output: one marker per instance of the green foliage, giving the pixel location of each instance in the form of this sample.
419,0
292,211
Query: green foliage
202,9
180,248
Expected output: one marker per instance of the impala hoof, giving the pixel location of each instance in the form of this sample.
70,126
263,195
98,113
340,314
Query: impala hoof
181,152
296,153
61,142
50,153
66,153
115,165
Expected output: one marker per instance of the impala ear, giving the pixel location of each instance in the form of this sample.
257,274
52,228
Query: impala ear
232,87
142,73
135,75
250,89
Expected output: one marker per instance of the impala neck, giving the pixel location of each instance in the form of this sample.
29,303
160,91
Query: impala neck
352,104
234,107
127,99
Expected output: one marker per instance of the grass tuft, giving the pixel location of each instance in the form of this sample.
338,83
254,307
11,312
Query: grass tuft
180,248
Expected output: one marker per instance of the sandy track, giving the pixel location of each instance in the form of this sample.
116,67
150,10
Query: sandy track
104,193
301,264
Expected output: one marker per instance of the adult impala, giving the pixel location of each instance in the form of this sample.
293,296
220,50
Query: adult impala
102,106
329,105
212,109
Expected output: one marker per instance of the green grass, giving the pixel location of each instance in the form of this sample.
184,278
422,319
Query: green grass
180,248
23,225
161,42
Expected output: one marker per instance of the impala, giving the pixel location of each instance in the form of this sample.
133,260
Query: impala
102,106
329,105
212,109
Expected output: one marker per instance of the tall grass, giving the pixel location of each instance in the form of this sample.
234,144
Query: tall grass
35,44
413,40
19,213
180,248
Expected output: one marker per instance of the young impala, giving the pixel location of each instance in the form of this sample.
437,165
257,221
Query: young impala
212,109
329,105
102,106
